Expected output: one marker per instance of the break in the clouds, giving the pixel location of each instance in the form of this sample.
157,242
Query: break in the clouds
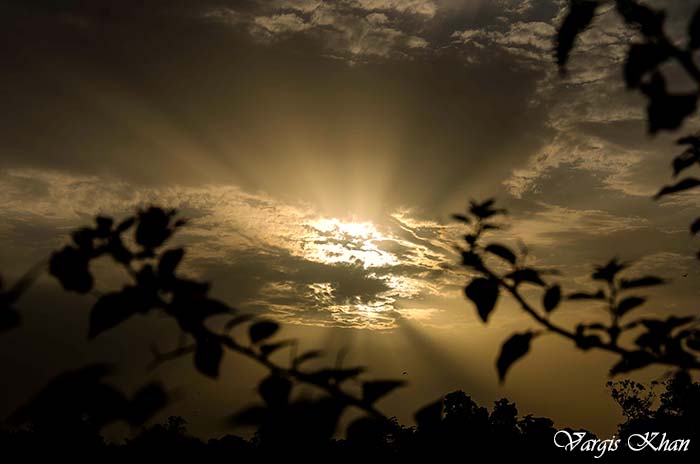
277,258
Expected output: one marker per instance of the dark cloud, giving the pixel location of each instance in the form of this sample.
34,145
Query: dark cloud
189,100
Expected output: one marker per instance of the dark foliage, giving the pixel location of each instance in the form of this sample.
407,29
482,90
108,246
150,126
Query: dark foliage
84,398
670,341
446,427
642,68
643,71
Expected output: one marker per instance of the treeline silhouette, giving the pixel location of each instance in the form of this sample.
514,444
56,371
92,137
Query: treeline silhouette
456,425
462,423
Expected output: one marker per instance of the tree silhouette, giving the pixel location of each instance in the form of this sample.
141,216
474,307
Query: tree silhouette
674,410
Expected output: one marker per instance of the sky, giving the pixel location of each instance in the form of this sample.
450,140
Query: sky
318,149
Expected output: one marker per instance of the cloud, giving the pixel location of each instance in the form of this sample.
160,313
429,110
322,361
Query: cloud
531,40
280,23
425,8
304,6
351,31
580,152
517,7
265,255
555,225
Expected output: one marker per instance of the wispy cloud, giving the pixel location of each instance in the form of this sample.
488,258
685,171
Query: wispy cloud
349,30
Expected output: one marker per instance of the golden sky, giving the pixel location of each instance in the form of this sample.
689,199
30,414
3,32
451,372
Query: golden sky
318,148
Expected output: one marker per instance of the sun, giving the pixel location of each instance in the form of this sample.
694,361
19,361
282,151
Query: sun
332,240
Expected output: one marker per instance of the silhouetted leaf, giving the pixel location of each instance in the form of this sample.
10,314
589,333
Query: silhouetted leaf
666,111
109,311
472,260
118,251
651,340
461,218
70,267
608,272
306,356
551,298
502,252
694,31
84,238
526,275
691,140
577,19
238,320
146,402
169,262
275,391
664,327
586,342
207,356
599,295
429,417
259,331
632,361
208,307
513,349
484,294
685,160
104,226
695,226
596,326
693,340
485,209
637,14
373,390
685,184
647,281
154,227
629,304
641,59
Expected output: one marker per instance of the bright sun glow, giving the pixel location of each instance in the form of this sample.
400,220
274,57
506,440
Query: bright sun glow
335,241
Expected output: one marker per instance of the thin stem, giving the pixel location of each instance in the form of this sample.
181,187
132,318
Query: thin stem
545,322
292,372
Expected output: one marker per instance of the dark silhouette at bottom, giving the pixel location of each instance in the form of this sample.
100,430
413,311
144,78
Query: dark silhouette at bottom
454,426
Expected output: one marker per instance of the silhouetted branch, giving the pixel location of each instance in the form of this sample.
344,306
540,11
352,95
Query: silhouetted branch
672,342
157,286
